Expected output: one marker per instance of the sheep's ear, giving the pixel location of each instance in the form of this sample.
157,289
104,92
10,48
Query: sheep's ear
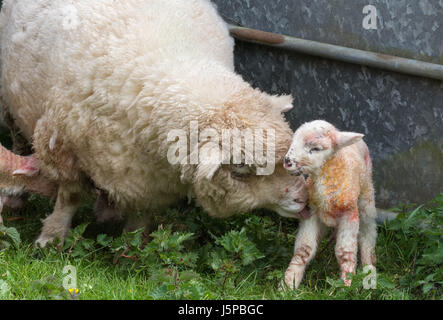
345,139
209,162
207,171
282,103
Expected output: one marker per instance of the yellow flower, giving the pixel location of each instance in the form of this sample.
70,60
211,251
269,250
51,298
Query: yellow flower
73,291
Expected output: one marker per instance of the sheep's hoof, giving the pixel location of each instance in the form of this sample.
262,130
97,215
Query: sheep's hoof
43,240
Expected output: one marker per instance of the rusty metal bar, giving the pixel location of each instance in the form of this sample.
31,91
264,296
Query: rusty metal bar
329,51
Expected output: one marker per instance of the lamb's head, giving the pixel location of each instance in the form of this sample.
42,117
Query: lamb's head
248,174
313,144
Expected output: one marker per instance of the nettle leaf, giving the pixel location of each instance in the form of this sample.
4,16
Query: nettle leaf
188,259
79,230
384,283
78,251
160,275
216,259
189,276
68,243
104,240
159,293
13,234
8,235
118,245
237,242
87,244
178,238
250,254
233,241
136,238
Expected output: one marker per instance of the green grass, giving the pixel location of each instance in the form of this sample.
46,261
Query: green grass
192,256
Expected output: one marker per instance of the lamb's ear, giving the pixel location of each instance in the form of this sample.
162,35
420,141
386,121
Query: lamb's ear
345,139
282,103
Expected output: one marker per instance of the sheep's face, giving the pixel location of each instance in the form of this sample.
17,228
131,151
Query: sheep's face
228,186
313,144
238,189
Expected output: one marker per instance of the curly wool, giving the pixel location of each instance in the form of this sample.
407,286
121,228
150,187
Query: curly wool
98,85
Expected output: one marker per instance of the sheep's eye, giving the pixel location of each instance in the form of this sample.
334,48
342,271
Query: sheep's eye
241,171
316,149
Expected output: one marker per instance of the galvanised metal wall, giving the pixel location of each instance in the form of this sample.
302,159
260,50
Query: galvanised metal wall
401,115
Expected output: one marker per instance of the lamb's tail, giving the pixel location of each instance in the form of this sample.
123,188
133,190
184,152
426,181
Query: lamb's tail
385,216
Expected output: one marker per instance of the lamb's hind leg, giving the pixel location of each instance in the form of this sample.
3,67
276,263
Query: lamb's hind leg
368,231
58,223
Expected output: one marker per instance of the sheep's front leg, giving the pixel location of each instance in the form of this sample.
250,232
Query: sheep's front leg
308,238
105,209
58,223
346,246
13,203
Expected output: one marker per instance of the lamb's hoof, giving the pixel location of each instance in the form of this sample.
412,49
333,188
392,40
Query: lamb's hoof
283,286
287,284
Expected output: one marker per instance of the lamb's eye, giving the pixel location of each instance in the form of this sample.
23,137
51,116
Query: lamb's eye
315,149
241,171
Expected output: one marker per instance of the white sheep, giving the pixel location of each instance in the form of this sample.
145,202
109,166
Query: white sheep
97,86
341,195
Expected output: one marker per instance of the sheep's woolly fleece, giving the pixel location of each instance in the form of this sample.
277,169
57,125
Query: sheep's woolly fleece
97,85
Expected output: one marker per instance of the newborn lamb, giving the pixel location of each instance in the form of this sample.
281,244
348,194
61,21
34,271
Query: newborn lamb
341,195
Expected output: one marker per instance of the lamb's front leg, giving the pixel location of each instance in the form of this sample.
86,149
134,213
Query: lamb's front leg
308,238
346,246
